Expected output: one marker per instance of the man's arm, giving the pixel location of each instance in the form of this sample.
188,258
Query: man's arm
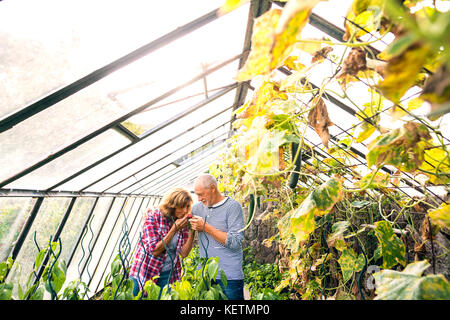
235,233
233,237
197,224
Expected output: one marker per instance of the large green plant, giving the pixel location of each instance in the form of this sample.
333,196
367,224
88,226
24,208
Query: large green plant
334,219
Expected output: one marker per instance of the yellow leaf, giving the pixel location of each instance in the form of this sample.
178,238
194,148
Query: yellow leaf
403,147
437,160
308,47
274,34
413,104
441,215
287,36
291,9
401,72
230,5
366,131
259,59
259,104
318,203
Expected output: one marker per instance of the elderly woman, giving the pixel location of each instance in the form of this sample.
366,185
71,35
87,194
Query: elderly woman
165,236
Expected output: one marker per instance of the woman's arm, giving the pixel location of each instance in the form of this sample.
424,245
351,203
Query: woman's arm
178,224
187,247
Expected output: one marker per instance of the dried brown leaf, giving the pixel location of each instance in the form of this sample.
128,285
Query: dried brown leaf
318,118
321,54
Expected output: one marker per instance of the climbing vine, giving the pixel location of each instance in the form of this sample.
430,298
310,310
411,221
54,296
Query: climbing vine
340,212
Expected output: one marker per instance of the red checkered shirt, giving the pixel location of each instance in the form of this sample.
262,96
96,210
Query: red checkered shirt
145,265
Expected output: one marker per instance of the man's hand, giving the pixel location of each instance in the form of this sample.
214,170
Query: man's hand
197,223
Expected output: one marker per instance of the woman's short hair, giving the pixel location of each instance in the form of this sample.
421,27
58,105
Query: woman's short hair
175,198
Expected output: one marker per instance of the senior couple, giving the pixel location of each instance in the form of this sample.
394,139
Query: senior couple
217,219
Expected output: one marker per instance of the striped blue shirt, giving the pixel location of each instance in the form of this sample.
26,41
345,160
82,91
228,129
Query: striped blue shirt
228,217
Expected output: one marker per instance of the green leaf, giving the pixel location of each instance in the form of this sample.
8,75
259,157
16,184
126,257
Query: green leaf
208,295
337,232
410,285
39,258
213,268
403,147
115,267
392,248
3,270
223,278
6,291
272,140
184,289
38,295
350,262
360,203
152,290
318,203
400,45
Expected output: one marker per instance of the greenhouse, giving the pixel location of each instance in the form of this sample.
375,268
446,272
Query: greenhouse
325,123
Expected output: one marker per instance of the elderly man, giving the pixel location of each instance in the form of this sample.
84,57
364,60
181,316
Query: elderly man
219,221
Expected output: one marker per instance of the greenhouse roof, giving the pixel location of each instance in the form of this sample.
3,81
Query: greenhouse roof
82,97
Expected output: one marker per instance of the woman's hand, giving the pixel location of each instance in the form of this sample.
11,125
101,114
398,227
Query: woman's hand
181,223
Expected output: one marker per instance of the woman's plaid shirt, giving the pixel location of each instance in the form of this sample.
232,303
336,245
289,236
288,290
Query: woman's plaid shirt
145,266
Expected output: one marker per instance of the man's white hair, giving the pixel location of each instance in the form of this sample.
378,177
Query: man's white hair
206,180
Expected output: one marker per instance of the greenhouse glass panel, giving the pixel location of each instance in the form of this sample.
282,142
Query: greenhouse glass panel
83,255
14,213
156,139
62,42
74,226
136,185
143,146
45,224
154,173
183,99
137,224
96,107
195,167
71,162
150,188
161,158
102,226
122,243
186,180
108,246
151,181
